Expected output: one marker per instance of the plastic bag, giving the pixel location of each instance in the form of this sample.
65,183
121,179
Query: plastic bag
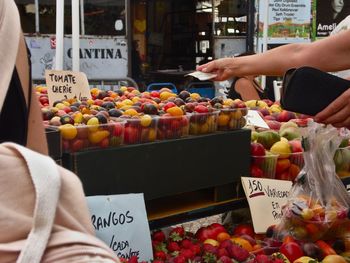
318,203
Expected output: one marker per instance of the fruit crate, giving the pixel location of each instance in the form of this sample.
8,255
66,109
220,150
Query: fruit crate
54,143
166,168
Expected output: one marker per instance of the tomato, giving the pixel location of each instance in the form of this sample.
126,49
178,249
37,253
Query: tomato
244,229
291,250
210,232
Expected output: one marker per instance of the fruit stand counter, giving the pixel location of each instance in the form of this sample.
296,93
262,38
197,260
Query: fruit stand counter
197,173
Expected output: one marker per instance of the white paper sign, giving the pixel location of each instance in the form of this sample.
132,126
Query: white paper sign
63,84
121,222
201,75
253,118
266,198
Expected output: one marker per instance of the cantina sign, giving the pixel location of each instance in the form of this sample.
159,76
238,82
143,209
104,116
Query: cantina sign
100,58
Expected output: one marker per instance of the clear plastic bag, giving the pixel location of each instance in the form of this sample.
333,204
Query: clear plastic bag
318,203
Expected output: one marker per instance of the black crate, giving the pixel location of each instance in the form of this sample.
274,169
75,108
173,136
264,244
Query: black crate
166,168
53,137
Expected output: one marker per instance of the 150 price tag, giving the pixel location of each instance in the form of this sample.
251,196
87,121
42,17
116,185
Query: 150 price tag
266,198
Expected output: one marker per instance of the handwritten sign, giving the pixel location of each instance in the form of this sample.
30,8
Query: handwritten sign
66,85
121,222
253,118
266,198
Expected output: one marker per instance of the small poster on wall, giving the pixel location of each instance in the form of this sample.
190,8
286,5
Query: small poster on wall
329,13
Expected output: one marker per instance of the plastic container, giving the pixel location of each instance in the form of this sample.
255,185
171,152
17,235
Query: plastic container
86,137
264,165
289,168
231,119
141,129
203,123
342,162
173,127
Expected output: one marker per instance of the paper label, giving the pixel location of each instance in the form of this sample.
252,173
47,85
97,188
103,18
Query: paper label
201,75
121,222
66,85
266,198
253,118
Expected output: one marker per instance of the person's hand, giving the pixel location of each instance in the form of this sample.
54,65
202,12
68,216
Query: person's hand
337,113
221,67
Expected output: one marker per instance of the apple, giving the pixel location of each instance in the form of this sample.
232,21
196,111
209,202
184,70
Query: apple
274,125
256,171
257,149
270,117
285,116
268,138
296,146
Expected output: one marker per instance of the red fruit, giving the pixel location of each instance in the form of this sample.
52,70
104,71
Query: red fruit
256,171
104,143
118,129
186,243
158,261
210,248
180,259
238,253
244,229
77,145
173,246
326,248
222,252
226,243
291,250
133,259
225,259
160,255
249,238
210,232
201,109
158,235
257,149
168,105
187,253
154,93
295,146
177,233
196,248
262,259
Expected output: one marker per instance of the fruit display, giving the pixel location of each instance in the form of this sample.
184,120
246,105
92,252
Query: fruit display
342,159
145,116
215,243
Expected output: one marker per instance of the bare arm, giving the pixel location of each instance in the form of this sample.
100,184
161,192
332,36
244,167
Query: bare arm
329,54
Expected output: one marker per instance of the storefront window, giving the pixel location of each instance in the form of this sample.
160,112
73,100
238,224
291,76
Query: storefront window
27,13
104,17
47,17
230,17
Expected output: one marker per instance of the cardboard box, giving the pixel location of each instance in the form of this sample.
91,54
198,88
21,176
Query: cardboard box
166,168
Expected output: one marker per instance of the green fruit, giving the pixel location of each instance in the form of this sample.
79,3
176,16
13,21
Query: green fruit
268,138
290,133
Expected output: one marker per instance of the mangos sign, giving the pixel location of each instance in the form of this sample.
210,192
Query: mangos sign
66,85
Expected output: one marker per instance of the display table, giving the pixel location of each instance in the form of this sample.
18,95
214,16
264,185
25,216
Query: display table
207,168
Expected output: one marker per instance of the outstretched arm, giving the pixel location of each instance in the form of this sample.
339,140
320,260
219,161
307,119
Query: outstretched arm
329,54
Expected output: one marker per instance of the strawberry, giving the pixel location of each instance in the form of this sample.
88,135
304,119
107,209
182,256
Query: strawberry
186,243
177,233
159,246
158,235
263,259
160,255
196,248
209,258
123,260
187,253
278,260
225,259
238,253
222,252
158,261
226,243
180,259
210,248
133,259
173,246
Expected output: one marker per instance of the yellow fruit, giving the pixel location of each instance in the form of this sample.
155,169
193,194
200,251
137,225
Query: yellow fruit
130,112
94,91
243,243
136,92
223,119
146,120
60,106
135,99
236,114
98,136
68,131
282,148
175,111
123,88
304,259
228,102
127,102
125,107
166,95
78,117
152,135
212,242
195,96
93,124
334,259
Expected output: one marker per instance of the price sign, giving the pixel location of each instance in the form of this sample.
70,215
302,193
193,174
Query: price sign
66,85
121,222
254,118
266,198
